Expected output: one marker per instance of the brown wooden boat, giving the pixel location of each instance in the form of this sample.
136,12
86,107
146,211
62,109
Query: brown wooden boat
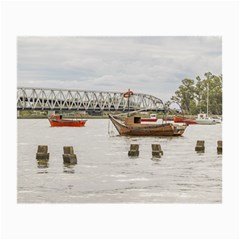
132,126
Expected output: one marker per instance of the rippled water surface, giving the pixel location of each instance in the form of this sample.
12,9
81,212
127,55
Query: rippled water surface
104,172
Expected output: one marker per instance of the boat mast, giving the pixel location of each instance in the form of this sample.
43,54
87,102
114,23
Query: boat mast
128,102
207,98
127,95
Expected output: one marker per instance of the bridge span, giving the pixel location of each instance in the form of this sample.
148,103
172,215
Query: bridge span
83,100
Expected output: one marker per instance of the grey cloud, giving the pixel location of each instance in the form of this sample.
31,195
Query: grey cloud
154,65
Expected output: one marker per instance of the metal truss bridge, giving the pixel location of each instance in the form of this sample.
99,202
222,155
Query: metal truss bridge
80,100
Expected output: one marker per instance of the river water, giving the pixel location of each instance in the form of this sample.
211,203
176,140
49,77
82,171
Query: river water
104,172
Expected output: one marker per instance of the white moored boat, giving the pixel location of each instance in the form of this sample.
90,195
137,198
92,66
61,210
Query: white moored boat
203,118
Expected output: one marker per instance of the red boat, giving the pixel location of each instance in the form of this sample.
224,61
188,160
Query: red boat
153,118
58,121
179,119
168,119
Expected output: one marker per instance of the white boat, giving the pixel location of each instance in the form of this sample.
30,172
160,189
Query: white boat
153,118
217,119
203,119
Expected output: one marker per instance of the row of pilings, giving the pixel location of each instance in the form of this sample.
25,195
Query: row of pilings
157,150
200,146
69,157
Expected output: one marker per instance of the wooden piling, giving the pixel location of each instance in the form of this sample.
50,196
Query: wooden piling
200,146
156,150
134,150
68,155
219,147
42,153
68,150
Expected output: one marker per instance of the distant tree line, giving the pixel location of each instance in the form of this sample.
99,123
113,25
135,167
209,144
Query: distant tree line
191,95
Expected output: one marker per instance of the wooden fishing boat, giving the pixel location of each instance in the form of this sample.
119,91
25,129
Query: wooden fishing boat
179,119
153,118
58,121
132,126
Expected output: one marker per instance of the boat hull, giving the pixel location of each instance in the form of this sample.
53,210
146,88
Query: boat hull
167,119
205,121
139,129
59,122
178,119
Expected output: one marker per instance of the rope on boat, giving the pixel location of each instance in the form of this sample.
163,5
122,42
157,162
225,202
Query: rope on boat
110,131
108,126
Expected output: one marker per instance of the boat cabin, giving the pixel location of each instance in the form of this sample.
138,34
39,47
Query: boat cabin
133,120
202,116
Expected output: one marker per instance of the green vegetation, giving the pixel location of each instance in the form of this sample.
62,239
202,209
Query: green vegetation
32,114
191,96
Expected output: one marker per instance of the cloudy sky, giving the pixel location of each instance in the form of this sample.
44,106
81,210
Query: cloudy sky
152,65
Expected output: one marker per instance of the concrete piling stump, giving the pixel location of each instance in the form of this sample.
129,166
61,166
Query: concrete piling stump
200,146
156,150
134,150
219,147
68,155
42,153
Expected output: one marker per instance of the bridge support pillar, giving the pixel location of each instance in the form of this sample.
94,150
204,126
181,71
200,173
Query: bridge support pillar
18,113
51,113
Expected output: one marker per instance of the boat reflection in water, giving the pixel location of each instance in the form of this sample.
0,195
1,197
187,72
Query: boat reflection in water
132,126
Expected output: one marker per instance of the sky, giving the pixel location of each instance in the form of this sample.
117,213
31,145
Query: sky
151,65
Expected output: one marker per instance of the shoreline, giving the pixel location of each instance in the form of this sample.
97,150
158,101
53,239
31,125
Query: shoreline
45,117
